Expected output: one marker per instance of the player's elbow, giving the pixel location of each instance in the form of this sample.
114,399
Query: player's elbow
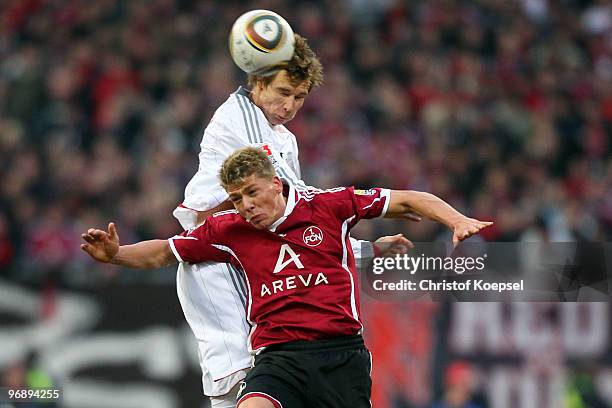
161,260
408,201
167,259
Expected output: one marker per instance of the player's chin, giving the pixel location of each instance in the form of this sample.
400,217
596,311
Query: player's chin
280,120
261,224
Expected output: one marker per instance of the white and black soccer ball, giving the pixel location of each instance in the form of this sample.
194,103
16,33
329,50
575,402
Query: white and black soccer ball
261,42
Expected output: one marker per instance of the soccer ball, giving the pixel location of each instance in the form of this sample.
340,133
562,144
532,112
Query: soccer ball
261,42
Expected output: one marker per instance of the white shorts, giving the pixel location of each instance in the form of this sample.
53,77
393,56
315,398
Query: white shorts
228,400
213,301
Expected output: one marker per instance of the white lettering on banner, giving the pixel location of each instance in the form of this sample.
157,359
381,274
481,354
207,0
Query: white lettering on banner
289,283
67,347
293,257
526,328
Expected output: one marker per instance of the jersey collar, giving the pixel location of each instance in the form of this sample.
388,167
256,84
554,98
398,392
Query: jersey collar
243,91
247,94
291,202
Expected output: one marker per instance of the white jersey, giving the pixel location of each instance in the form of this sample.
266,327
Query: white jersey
237,123
213,295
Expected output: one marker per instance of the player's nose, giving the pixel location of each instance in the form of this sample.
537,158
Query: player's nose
289,104
247,203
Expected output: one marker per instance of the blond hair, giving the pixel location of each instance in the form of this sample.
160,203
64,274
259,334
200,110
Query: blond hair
244,163
304,66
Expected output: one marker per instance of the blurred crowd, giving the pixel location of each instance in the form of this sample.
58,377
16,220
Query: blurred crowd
503,108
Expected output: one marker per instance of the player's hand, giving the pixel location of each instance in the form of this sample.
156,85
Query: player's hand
101,245
392,245
466,227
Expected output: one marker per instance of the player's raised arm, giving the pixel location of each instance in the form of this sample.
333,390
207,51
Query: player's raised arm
104,246
433,207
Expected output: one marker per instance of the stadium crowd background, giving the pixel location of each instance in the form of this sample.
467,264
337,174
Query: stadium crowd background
503,108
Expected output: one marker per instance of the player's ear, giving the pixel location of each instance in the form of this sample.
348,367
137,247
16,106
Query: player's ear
278,184
260,83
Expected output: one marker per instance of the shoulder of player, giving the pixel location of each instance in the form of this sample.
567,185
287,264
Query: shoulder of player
228,109
222,221
240,115
221,119
231,109
229,124
239,105
225,216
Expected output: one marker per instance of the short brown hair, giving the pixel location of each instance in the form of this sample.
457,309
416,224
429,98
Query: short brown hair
303,66
244,163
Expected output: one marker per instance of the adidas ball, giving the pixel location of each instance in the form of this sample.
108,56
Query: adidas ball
261,42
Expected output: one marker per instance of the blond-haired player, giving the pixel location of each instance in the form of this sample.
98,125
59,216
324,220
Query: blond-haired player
214,295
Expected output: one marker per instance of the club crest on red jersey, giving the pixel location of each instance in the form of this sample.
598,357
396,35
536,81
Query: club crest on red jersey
313,236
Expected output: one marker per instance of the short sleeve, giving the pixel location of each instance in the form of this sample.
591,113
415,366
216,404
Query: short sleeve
371,203
361,204
199,245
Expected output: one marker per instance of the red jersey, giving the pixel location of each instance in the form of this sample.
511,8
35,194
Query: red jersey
300,273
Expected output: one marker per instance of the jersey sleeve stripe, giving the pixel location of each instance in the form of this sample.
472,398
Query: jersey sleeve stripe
247,110
174,251
346,268
182,205
237,288
298,184
257,128
225,212
386,193
240,284
281,172
246,125
372,203
240,279
249,291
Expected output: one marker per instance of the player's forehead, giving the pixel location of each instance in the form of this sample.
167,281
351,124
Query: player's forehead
252,181
282,80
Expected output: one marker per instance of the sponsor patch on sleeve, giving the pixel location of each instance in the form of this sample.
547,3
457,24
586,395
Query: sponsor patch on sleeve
365,192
